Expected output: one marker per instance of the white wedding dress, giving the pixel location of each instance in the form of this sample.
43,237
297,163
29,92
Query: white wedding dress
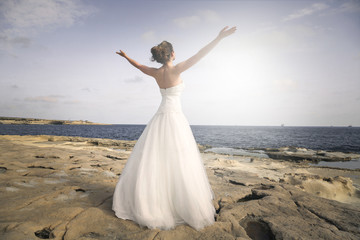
164,182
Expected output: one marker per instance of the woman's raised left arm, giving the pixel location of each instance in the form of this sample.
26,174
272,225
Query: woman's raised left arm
225,32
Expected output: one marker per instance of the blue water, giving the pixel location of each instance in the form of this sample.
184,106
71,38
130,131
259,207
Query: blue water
343,139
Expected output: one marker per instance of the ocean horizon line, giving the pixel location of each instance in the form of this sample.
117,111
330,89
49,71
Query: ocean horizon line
230,125
225,125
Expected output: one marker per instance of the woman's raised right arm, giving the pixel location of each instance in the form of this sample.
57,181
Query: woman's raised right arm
181,67
145,69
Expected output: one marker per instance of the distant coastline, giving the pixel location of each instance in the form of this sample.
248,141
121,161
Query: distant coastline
20,120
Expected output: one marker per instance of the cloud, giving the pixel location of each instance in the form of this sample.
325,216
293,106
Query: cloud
314,8
185,22
72,102
23,15
149,36
22,42
207,16
86,89
21,19
343,7
14,86
284,84
350,6
297,37
46,99
136,79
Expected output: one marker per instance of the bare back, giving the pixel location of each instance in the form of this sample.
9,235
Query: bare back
167,76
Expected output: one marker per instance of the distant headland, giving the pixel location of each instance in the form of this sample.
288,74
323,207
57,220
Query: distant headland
20,120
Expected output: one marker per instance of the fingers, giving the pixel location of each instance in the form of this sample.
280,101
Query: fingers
121,53
227,30
224,29
232,29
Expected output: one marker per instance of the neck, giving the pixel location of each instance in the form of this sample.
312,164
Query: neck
168,64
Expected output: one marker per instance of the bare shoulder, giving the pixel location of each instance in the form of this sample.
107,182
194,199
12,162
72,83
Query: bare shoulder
151,71
178,68
157,73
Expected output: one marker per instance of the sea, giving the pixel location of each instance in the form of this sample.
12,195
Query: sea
233,140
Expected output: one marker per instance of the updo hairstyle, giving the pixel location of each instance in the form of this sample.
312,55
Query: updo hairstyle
162,52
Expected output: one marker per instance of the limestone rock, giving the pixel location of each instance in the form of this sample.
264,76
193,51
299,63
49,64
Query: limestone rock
55,187
303,154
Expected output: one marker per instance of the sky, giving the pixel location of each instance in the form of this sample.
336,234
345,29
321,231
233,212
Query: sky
290,62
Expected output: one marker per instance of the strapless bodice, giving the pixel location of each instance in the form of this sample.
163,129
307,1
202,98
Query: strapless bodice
175,90
171,99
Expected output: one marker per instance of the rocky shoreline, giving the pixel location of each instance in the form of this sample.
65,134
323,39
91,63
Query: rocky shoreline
19,120
295,154
302,154
57,187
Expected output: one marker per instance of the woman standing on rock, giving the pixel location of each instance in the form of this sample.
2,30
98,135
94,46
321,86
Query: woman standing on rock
164,182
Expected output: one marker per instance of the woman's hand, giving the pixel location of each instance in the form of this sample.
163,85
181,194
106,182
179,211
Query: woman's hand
226,32
121,53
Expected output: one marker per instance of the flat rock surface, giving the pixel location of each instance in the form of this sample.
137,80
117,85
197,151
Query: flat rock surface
303,154
54,187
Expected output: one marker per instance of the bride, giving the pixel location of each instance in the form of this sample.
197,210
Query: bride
164,182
